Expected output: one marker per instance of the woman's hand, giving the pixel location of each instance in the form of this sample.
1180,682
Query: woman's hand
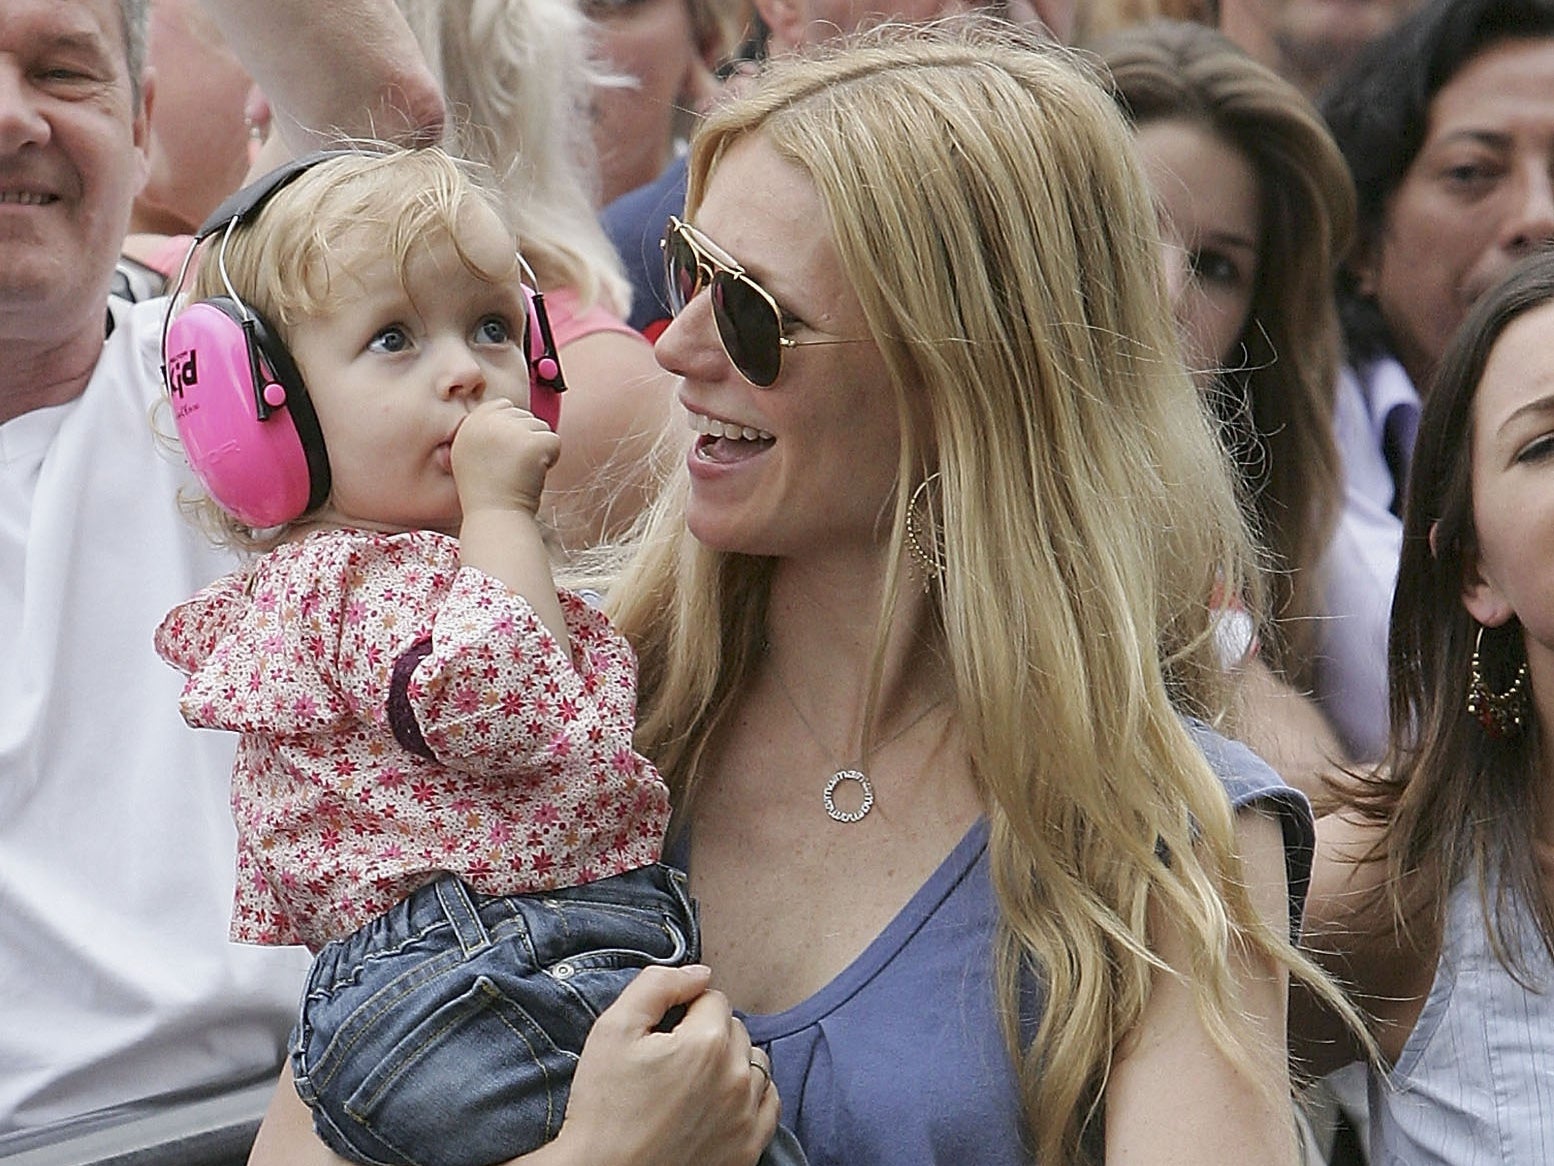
646,1098
639,1097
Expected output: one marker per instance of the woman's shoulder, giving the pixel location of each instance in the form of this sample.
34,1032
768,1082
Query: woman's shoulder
1353,929
571,320
1247,778
1252,785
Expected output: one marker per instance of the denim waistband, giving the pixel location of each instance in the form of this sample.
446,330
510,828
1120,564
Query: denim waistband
458,908
472,916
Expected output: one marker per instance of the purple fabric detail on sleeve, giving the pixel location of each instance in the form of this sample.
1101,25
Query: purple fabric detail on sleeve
400,715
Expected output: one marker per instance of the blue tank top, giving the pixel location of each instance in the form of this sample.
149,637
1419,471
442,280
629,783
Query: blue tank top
1474,1085
900,1059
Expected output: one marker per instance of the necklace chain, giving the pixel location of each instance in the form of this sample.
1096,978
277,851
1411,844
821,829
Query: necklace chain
854,774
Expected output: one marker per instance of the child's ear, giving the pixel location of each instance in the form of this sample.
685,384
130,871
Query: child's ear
1480,595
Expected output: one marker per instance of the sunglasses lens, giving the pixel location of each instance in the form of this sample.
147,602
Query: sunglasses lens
747,321
681,269
749,328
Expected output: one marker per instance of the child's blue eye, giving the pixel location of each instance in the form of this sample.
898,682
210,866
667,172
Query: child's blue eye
493,330
391,339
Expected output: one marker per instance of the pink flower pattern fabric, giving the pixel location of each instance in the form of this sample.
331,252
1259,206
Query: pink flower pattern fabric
531,782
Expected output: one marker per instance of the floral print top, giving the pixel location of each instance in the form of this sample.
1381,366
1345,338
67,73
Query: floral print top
402,716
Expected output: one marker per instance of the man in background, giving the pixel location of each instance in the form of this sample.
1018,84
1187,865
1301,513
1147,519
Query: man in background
118,984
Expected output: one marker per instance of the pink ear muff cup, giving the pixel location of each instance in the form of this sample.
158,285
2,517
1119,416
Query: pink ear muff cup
544,401
545,404
256,470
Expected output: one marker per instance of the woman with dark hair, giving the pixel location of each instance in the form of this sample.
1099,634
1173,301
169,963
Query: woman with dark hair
1257,209
1434,894
1447,124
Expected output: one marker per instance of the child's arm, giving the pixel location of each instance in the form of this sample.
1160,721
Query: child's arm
190,632
501,455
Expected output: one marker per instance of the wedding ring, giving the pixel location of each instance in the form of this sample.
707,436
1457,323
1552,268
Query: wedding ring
763,1070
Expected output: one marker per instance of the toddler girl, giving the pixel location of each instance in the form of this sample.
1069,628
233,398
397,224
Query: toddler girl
435,786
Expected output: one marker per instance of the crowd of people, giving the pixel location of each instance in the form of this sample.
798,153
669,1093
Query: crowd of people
835,581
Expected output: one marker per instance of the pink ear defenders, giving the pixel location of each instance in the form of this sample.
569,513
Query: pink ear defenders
243,415
545,382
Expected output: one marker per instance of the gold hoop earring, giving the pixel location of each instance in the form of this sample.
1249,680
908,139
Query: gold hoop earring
929,558
1501,715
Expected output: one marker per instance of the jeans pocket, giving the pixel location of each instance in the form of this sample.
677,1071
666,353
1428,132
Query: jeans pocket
593,969
476,1081
618,939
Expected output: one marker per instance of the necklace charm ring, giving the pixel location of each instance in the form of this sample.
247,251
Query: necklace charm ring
837,779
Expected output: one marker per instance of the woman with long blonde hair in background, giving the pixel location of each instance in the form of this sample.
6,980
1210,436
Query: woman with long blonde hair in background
517,76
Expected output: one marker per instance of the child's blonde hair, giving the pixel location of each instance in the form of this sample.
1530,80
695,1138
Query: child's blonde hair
285,263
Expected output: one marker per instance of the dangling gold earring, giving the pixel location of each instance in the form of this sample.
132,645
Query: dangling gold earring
1500,714
929,559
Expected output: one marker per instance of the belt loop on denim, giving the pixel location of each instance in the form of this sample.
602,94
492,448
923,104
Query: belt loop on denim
460,911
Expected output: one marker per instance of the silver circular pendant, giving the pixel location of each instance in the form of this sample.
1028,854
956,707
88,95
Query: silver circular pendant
837,779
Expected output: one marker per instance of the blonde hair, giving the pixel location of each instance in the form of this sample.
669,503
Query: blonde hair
285,263
982,196
1277,408
517,78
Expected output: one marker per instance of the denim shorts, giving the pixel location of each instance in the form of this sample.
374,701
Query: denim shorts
445,1032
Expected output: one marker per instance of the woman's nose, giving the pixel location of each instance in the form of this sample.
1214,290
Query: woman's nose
690,346
1175,266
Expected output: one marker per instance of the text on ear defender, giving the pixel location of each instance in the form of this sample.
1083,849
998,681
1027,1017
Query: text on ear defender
182,372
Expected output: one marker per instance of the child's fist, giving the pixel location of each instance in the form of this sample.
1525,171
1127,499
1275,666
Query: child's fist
500,457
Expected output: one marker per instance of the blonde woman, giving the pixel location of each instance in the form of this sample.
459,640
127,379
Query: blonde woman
516,74
918,624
